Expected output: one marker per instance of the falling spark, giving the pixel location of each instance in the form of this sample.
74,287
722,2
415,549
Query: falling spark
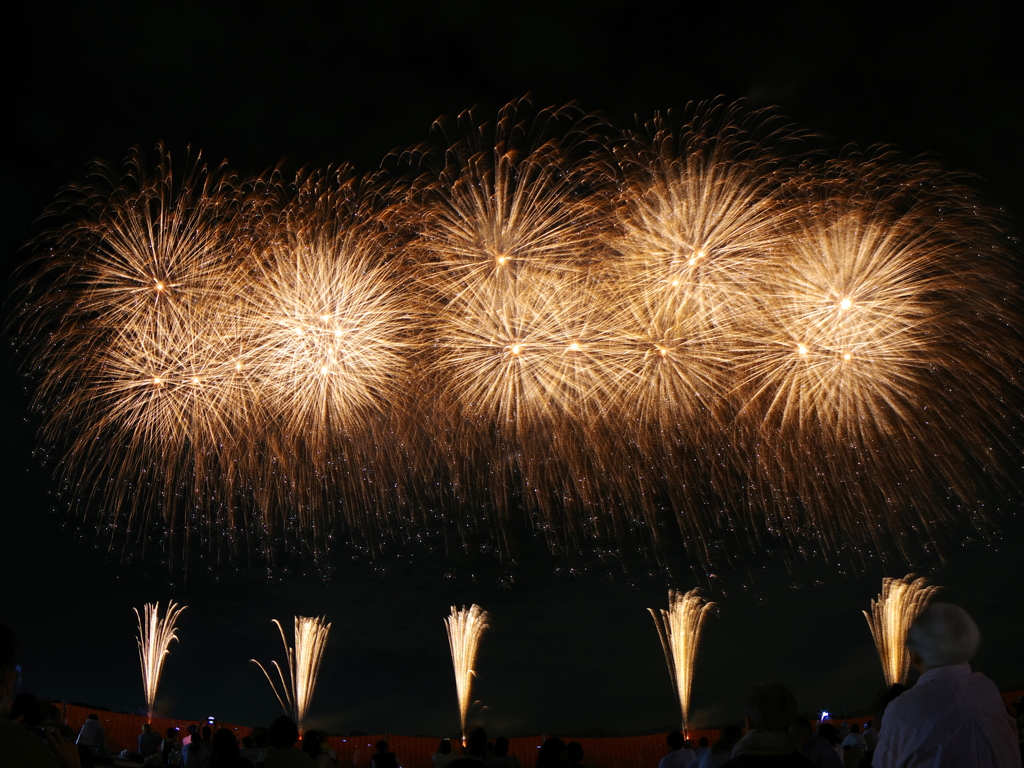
892,613
465,628
154,638
679,628
303,664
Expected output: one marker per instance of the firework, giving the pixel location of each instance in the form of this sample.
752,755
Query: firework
700,212
328,335
854,370
689,337
232,396
508,219
892,613
133,358
465,628
155,636
679,628
303,664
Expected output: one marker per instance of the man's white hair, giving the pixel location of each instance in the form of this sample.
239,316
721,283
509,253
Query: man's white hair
944,634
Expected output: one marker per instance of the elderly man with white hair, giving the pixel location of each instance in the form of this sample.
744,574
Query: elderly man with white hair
953,717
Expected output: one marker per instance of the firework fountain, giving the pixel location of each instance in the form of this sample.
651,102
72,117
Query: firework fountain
892,613
155,636
679,628
465,628
303,664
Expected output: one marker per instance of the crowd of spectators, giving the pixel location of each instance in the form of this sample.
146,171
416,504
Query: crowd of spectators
951,718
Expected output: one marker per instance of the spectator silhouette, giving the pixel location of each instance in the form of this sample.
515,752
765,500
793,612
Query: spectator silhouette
574,752
679,756
854,738
770,711
48,747
878,707
195,753
721,750
552,754
383,758
170,747
443,755
830,734
249,750
853,747
702,749
148,741
953,716
224,752
476,750
814,746
92,736
500,758
282,752
312,745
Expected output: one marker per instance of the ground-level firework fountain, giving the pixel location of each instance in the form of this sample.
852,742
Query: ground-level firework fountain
465,628
892,613
155,636
679,628
303,663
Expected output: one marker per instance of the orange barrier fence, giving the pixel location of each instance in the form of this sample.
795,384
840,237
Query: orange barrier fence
416,751
122,732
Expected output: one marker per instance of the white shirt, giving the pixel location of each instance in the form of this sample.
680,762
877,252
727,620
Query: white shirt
854,740
952,718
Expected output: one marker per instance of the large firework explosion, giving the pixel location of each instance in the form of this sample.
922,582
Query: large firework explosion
694,332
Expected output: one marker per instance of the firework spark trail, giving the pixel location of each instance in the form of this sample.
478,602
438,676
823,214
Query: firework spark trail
465,628
700,212
688,332
303,665
510,224
329,338
858,343
154,639
892,613
679,628
142,260
503,250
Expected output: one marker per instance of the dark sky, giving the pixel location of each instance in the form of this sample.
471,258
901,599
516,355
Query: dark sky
323,82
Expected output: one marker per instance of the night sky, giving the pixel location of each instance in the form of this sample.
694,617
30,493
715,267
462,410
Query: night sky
572,647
